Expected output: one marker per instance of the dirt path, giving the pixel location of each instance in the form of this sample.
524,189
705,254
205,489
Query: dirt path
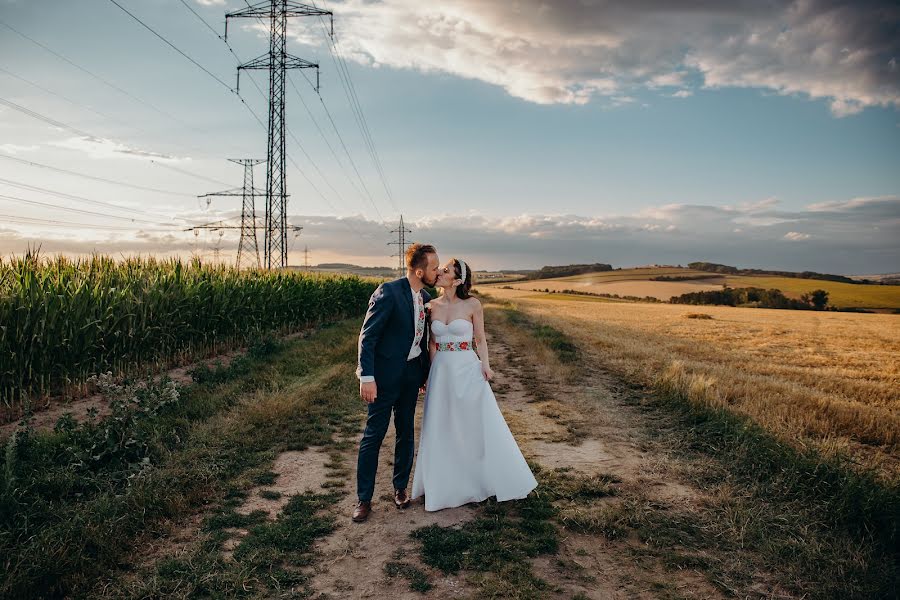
353,558
589,425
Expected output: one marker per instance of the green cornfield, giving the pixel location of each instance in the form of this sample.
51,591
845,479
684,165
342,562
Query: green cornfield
62,320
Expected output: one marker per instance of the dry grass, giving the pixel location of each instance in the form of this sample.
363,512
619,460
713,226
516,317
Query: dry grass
637,282
829,380
627,282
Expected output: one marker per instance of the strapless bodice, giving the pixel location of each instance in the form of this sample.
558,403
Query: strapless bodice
458,330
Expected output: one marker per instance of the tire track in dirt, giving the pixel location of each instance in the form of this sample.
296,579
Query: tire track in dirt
586,426
353,558
589,564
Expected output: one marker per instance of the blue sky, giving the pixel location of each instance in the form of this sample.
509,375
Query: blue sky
515,134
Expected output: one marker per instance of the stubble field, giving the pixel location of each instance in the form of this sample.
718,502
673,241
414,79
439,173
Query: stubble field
638,282
814,379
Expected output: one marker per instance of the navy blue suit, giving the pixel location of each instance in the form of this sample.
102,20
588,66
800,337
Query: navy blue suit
385,340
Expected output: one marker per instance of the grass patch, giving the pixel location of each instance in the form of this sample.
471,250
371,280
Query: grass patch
418,580
557,341
269,560
497,546
73,501
822,528
808,517
266,478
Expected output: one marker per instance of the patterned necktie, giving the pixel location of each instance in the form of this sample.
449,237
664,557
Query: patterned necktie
420,320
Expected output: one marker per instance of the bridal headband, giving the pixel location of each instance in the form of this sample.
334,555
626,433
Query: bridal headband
462,269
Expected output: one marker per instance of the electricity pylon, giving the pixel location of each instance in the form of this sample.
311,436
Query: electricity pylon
401,232
277,61
248,193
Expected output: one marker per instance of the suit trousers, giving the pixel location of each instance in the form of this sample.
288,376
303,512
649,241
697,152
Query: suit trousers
401,400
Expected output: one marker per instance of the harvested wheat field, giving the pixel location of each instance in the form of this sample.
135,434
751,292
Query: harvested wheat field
629,282
639,282
821,379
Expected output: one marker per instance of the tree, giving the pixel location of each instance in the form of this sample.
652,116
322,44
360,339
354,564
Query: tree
818,299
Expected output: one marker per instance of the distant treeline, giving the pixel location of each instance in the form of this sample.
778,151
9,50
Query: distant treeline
758,297
599,295
678,277
569,270
729,270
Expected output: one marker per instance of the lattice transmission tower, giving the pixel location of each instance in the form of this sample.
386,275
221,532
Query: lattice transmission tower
277,61
248,248
401,232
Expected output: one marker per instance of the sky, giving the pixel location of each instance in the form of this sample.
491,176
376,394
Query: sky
513,133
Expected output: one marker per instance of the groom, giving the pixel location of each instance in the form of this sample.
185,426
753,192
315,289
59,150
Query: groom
393,365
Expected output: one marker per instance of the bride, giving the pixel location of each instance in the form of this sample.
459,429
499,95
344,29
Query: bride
466,451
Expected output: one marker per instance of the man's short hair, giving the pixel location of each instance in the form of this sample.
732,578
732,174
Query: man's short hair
417,255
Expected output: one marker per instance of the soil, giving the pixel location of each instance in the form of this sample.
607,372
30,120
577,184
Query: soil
353,558
614,439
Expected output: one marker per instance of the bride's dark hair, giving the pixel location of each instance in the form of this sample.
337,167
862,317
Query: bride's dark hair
462,291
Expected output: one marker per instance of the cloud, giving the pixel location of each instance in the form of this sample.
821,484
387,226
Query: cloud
100,148
575,51
211,2
858,236
853,204
683,94
16,148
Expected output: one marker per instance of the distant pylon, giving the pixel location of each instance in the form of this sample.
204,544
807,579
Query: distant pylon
401,232
248,249
306,258
248,242
277,61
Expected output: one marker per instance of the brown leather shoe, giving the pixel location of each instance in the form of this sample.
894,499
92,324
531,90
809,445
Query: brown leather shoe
362,510
401,500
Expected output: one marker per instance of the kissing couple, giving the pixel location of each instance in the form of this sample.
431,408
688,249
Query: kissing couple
408,341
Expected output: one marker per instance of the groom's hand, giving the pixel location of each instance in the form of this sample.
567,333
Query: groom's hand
368,391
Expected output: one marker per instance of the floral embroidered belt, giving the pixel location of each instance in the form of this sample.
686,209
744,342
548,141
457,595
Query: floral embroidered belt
454,346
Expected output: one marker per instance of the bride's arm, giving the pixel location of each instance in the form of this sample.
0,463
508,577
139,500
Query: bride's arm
432,348
432,345
481,340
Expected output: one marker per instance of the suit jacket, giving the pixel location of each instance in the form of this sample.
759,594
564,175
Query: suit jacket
388,332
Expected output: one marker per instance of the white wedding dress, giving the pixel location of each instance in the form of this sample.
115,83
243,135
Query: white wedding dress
466,451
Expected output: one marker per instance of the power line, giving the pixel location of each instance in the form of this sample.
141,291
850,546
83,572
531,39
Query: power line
202,20
94,178
97,77
66,99
292,161
46,119
22,220
277,61
90,136
323,136
189,173
34,188
346,151
173,46
258,89
356,107
75,210
263,95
